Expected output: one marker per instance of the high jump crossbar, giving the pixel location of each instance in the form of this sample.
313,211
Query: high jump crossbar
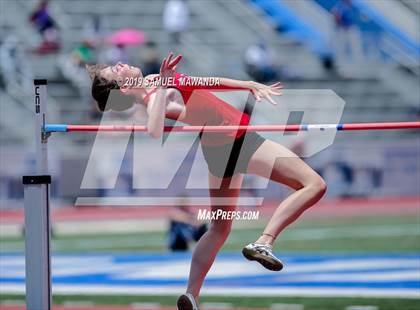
36,187
49,128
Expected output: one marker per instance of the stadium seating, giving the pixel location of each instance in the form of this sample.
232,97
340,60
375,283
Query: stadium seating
220,32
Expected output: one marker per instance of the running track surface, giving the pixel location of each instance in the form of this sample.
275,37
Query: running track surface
385,275
329,208
102,307
72,307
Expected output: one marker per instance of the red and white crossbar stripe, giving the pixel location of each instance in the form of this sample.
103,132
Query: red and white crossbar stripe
257,128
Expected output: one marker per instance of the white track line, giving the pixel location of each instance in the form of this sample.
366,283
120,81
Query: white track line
223,291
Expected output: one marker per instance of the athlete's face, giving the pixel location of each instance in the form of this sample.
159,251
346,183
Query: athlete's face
121,72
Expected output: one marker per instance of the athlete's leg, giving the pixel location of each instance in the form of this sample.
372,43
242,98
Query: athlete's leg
279,164
210,243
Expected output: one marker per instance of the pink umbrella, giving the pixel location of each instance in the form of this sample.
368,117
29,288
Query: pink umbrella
127,37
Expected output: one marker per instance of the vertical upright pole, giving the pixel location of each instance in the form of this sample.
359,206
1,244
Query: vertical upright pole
37,214
40,121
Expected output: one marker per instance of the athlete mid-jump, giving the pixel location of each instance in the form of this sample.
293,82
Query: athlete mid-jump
228,155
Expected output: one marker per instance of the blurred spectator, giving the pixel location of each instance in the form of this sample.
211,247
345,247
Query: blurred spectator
120,41
345,18
47,27
340,176
176,18
84,53
94,31
116,53
328,63
259,62
344,14
371,38
150,59
14,66
73,67
184,227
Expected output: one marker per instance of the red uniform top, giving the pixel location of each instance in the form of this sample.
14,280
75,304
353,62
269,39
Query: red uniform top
204,108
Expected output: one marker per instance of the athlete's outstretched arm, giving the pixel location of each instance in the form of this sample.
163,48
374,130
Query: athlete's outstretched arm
260,91
156,113
156,107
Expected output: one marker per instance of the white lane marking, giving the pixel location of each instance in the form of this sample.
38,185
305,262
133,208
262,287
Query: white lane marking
145,305
61,289
216,305
363,268
279,306
225,268
353,264
78,303
359,277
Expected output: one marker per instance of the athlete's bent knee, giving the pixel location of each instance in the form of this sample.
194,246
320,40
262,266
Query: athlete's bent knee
221,228
318,187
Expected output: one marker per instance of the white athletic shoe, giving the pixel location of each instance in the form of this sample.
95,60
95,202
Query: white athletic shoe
187,302
264,255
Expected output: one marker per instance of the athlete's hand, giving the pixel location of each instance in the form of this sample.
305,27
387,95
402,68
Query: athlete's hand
261,91
168,67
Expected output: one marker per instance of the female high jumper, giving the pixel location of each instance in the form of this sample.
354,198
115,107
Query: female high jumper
249,152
